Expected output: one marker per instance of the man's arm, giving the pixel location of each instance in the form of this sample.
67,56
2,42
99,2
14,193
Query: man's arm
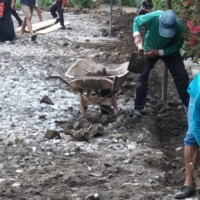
138,22
196,119
63,3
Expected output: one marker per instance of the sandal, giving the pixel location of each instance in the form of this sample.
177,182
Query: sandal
185,191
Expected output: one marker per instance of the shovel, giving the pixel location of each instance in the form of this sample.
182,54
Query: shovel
136,63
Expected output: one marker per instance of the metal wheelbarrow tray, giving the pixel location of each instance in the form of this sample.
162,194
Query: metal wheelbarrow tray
95,83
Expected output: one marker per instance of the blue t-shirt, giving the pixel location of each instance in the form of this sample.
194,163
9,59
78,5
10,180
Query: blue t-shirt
30,3
194,92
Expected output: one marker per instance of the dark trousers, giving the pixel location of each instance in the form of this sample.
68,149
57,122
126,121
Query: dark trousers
177,69
57,7
14,13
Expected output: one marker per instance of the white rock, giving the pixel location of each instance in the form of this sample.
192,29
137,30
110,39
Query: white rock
17,184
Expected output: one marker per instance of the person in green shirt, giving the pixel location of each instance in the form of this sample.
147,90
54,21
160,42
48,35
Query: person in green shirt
163,40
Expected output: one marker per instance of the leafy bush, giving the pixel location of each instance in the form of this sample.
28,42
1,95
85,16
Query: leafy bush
17,5
190,14
129,3
79,3
45,4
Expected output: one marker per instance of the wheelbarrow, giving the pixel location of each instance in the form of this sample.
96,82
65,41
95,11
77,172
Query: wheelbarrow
95,83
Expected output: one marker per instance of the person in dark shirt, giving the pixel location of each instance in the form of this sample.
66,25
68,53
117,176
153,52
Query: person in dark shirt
7,32
59,6
27,7
144,7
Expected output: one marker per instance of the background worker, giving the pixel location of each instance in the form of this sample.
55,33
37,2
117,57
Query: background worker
192,139
7,32
144,7
163,40
59,6
27,7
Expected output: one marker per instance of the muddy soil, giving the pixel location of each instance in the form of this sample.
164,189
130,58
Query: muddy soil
49,152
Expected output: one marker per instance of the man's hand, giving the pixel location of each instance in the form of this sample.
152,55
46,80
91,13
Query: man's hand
152,53
138,40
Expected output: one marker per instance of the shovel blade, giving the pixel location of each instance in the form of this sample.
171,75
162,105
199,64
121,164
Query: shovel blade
136,64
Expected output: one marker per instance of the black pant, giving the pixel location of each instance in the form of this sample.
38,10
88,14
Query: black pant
57,7
14,13
177,69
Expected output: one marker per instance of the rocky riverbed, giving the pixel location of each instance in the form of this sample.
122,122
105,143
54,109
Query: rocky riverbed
49,152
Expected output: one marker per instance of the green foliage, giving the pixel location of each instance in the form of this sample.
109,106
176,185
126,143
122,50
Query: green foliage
129,3
79,3
17,5
45,4
159,5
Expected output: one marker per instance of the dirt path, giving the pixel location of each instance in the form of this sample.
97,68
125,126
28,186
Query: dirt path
125,159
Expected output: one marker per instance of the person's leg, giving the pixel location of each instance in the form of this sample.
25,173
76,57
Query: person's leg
29,25
27,13
39,12
191,151
141,88
177,69
60,13
53,10
23,27
191,155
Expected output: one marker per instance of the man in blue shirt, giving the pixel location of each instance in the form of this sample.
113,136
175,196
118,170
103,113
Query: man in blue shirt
192,139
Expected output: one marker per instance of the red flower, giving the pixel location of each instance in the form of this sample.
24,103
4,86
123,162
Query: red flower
193,29
197,53
192,41
190,24
186,3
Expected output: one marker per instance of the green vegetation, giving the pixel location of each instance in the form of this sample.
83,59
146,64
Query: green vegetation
79,3
45,4
17,4
129,3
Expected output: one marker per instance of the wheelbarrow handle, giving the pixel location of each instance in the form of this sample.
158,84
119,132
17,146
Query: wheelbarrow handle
61,79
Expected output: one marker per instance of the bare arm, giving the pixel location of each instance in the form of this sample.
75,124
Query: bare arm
13,4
